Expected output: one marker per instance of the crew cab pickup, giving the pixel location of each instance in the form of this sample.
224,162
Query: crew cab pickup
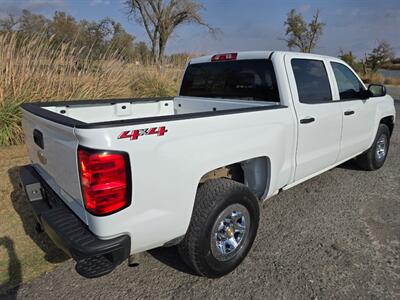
112,178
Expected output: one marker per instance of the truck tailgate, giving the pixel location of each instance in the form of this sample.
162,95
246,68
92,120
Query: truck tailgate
52,149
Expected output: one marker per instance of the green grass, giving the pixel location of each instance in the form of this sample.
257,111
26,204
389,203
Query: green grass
10,124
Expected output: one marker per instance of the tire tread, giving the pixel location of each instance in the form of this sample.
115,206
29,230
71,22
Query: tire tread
366,161
208,196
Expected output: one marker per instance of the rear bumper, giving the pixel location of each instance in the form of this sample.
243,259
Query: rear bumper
95,257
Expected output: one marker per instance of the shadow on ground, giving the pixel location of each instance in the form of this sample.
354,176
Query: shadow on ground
18,199
52,253
170,257
350,165
14,267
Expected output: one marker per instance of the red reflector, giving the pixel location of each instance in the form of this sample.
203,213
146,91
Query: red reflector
104,180
224,57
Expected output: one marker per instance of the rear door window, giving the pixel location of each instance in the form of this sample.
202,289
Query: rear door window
252,79
312,81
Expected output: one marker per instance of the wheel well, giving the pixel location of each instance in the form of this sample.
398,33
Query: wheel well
389,122
255,173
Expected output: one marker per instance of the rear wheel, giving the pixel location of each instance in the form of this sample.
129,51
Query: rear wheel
222,229
375,157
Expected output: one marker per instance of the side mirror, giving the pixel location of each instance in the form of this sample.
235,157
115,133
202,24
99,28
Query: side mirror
365,94
377,90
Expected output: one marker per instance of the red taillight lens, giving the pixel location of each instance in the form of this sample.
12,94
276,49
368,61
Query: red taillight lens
104,180
224,57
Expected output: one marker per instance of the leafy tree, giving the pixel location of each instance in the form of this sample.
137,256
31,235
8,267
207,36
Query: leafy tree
64,27
8,23
31,24
105,35
379,55
160,19
348,57
122,41
300,34
94,36
142,52
352,60
89,37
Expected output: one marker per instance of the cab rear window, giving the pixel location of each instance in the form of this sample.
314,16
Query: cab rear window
252,79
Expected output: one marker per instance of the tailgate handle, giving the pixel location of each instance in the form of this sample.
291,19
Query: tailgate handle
38,138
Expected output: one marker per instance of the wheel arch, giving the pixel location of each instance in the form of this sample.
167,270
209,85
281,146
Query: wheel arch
389,122
255,173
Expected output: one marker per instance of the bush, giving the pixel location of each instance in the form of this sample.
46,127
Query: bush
10,128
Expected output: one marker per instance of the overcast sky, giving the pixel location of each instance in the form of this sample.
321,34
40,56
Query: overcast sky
356,25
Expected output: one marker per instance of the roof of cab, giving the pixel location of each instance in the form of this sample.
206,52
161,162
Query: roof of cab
258,55
240,55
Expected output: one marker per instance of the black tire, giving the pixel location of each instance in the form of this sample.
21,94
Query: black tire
213,198
370,160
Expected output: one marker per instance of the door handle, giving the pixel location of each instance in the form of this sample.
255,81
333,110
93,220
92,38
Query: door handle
307,120
349,112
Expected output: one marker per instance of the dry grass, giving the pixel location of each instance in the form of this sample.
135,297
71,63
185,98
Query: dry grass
392,81
372,77
24,254
155,81
35,70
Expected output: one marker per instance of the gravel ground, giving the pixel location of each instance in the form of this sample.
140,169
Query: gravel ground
393,90
334,236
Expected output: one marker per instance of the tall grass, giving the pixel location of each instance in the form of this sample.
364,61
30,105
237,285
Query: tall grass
34,69
374,77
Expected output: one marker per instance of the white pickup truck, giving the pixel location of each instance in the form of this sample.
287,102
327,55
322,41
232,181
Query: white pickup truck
111,178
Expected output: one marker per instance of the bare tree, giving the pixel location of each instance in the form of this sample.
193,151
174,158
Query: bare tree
160,18
300,34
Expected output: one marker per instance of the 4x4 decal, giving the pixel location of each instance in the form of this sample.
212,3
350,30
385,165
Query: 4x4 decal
136,133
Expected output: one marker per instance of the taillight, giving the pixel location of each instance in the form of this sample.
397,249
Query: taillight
224,57
105,180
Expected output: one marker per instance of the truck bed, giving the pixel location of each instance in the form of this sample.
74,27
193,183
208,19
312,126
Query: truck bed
55,130
112,112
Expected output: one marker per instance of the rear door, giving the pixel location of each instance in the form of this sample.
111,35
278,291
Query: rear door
319,117
358,114
52,149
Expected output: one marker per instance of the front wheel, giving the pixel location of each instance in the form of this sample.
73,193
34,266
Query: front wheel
222,229
375,157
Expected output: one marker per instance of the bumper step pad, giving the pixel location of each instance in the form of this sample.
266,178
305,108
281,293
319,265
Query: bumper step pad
93,267
94,256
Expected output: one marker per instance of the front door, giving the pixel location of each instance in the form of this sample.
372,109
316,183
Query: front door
358,114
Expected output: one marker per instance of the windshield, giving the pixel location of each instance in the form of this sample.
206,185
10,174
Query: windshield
252,79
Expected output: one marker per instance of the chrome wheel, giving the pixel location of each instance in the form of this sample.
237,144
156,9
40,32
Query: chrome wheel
381,148
230,231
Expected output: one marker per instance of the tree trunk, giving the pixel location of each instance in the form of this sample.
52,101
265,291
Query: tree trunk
161,51
154,57
365,64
